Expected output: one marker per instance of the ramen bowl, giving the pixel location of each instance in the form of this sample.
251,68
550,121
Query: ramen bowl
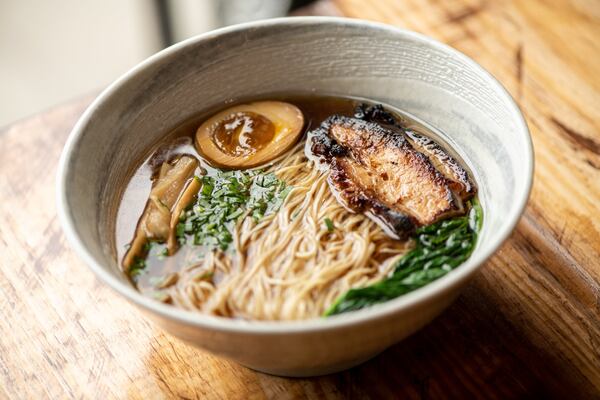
330,56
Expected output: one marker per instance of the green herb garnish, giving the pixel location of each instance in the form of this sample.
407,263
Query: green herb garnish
139,262
329,224
137,268
223,200
440,247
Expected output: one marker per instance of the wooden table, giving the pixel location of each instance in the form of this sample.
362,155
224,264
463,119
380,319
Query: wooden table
527,326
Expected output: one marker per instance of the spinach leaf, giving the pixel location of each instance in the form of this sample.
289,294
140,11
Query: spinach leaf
440,247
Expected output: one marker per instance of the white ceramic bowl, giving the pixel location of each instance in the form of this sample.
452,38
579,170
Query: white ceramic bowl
310,54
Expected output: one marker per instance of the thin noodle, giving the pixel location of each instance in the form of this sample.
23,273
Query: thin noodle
289,265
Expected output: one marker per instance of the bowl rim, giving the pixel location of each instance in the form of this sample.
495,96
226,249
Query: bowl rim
378,311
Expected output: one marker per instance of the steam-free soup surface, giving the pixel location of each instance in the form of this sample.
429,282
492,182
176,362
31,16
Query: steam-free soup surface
295,255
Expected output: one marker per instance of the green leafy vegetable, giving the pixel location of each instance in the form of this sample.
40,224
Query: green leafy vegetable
223,200
139,261
440,247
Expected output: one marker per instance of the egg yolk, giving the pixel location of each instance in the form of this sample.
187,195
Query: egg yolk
243,133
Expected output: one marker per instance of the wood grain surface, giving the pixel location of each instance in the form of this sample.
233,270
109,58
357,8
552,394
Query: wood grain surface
528,326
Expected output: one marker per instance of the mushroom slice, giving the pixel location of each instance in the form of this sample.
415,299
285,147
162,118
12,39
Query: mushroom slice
155,222
249,135
187,196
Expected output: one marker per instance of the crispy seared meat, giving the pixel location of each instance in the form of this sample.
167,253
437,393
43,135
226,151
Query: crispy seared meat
375,170
458,177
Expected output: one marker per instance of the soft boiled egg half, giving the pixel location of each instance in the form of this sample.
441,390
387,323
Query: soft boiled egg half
248,135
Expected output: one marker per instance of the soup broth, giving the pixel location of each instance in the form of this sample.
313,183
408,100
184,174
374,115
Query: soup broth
293,249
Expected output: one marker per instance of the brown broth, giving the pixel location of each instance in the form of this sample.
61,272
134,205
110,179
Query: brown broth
180,141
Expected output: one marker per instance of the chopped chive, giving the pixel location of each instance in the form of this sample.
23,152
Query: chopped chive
223,200
329,224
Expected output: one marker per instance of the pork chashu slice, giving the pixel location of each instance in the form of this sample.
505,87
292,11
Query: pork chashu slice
376,171
458,177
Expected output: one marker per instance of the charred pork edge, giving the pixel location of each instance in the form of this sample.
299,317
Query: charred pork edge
470,188
324,166
378,114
